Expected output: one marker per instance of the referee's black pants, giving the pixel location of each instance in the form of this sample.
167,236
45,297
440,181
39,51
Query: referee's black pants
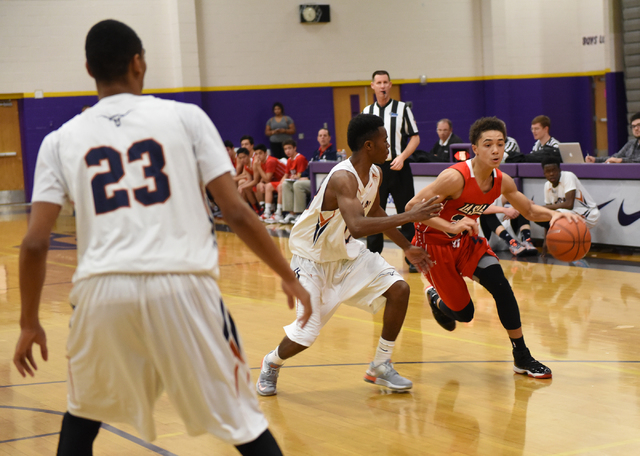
400,185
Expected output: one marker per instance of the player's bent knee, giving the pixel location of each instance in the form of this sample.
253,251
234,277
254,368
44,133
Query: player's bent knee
493,279
398,293
465,315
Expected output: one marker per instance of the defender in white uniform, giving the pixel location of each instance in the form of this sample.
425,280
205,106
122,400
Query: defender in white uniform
564,192
336,267
148,314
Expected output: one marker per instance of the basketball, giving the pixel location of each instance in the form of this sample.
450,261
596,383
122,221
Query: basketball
568,241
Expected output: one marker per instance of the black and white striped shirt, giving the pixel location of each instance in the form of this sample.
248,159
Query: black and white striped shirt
398,120
553,142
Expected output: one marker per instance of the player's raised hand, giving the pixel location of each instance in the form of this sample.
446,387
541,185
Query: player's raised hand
465,224
23,357
424,210
419,258
294,290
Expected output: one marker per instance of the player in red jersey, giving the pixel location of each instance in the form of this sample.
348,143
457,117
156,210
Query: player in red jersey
466,189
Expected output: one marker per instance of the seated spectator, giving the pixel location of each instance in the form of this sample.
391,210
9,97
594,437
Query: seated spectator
440,150
246,142
231,151
296,165
540,129
295,194
564,192
245,179
510,147
325,151
630,152
490,223
544,146
266,169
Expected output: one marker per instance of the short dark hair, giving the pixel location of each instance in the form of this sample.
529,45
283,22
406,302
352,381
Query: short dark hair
109,48
636,116
242,150
486,124
277,103
380,73
361,129
550,160
261,147
326,129
447,121
289,142
542,120
250,138
228,143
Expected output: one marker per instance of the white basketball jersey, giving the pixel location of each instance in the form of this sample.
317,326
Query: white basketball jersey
583,204
134,167
323,236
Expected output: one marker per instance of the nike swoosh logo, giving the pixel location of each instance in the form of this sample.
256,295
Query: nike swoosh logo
627,219
600,206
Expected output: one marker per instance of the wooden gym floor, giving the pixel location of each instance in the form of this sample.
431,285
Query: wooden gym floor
581,320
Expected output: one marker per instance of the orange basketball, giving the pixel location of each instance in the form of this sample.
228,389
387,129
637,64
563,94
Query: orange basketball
568,241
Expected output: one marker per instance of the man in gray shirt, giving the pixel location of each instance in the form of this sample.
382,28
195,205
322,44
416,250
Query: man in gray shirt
630,152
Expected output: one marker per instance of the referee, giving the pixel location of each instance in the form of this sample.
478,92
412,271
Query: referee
397,179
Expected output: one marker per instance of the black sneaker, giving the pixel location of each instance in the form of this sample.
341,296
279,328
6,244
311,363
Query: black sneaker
443,320
524,363
412,269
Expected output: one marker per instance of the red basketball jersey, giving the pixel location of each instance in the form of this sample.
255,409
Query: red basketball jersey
472,203
275,166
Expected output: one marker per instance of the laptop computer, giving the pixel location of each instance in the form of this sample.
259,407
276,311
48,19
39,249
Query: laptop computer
571,153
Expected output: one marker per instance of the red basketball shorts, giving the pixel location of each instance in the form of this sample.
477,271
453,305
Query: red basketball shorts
452,261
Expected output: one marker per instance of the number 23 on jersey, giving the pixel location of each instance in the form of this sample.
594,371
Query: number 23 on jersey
116,172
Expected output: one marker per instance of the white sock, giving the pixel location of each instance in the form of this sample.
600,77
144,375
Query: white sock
384,351
279,209
274,358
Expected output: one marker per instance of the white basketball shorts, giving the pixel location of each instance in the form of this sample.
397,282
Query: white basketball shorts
359,283
590,216
133,336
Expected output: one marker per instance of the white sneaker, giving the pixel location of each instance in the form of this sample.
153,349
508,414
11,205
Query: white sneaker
275,218
385,375
266,384
289,218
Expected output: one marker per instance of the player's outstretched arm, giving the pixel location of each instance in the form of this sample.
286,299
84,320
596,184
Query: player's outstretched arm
33,266
448,185
528,208
244,222
341,194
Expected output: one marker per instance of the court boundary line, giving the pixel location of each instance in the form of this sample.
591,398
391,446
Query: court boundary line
487,361
107,427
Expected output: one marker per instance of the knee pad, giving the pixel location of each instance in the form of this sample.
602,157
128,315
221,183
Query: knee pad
493,279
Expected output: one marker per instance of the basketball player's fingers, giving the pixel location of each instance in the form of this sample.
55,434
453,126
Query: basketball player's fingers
44,351
31,360
432,200
18,362
305,316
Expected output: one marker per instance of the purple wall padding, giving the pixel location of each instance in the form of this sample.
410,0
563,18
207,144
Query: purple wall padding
617,132
245,112
567,101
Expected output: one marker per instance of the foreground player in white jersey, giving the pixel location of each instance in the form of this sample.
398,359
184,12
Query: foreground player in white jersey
336,267
148,314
